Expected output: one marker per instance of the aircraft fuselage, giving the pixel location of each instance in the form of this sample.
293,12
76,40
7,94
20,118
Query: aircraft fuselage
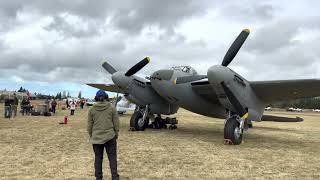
183,95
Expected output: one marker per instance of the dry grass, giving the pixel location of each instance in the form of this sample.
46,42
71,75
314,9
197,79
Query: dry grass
40,148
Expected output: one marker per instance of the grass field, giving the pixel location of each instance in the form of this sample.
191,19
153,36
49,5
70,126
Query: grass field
40,148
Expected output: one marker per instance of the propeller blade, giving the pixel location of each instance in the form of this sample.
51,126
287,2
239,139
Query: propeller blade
235,102
138,66
108,68
235,47
187,79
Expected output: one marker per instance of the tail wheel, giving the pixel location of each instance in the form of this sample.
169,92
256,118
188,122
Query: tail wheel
232,131
137,121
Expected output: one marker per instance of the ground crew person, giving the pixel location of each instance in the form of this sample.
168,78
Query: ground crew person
53,106
47,105
103,129
72,108
7,107
25,106
67,103
81,103
15,104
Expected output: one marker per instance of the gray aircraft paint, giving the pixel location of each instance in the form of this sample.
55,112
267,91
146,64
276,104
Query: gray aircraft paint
224,93
183,95
142,94
170,89
240,87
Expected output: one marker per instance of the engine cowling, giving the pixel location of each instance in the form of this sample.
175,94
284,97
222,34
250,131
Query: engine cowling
143,94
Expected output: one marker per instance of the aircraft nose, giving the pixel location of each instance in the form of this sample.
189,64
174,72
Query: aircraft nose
162,75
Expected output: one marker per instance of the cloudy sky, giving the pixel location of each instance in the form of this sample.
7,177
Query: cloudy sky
51,46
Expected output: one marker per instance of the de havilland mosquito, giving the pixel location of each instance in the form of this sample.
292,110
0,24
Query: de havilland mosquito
221,93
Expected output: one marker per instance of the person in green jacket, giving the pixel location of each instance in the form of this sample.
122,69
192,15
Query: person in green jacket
103,129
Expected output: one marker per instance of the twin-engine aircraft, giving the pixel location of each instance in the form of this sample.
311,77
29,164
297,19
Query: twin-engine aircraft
221,93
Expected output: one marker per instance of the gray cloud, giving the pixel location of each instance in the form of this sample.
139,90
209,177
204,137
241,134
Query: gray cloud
69,44
165,14
66,29
281,33
248,10
130,16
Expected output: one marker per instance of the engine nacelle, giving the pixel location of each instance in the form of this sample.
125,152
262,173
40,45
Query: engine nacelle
166,109
143,94
240,88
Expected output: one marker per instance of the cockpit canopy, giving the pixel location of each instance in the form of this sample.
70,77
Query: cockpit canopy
186,69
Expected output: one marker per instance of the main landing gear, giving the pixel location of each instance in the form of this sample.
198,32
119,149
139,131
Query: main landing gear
160,123
141,117
234,128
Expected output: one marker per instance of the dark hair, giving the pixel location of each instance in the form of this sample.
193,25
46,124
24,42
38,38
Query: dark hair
101,98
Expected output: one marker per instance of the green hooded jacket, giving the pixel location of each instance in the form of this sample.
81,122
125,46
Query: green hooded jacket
103,123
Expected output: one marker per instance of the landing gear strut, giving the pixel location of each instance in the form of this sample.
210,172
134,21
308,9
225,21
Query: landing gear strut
233,130
139,119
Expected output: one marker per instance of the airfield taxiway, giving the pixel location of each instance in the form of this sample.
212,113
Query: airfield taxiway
40,148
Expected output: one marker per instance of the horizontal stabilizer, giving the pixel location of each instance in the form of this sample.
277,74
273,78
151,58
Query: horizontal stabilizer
280,119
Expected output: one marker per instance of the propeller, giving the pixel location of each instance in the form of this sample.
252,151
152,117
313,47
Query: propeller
235,47
240,110
108,67
137,67
131,71
231,53
120,75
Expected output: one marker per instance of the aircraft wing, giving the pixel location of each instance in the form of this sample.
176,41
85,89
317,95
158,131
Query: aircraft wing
273,91
205,90
108,87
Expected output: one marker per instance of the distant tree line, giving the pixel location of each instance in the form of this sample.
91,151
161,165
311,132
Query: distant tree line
43,96
23,90
304,103
60,95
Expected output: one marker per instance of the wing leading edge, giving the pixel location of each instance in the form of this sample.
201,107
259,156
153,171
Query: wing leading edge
274,91
108,87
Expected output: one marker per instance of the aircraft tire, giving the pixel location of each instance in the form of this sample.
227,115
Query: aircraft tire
134,121
230,128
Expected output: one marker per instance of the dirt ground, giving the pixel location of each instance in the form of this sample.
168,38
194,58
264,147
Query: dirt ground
40,148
